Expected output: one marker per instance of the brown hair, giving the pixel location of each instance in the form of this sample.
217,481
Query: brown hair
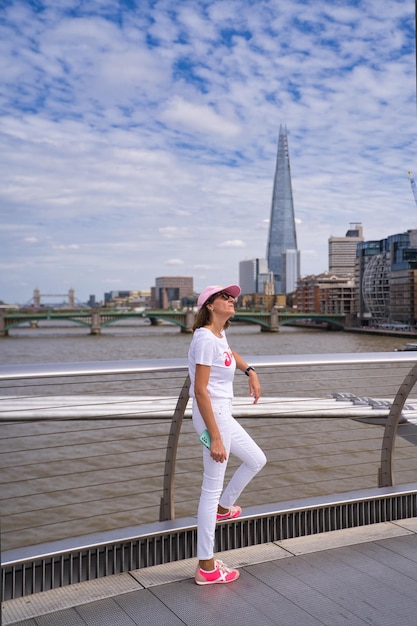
203,317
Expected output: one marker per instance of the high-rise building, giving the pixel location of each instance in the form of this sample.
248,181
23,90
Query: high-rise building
342,251
386,277
282,234
290,270
255,277
170,289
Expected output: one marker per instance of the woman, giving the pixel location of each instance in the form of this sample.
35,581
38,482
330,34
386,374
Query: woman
212,365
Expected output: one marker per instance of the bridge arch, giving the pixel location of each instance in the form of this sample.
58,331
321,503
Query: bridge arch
336,324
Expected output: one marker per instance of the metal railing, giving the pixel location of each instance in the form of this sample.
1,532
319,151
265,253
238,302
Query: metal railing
98,459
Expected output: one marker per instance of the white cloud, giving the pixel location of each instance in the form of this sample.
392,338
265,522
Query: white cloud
197,117
173,232
232,243
71,246
132,136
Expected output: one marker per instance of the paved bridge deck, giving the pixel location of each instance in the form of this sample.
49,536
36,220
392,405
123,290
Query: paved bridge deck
365,575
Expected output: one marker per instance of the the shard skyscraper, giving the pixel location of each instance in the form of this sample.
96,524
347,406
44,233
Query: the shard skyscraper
282,254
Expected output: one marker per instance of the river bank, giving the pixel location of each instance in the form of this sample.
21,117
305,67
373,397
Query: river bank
410,334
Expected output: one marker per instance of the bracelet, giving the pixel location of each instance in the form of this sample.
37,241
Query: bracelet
248,369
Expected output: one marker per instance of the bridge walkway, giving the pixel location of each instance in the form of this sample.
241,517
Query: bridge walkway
365,575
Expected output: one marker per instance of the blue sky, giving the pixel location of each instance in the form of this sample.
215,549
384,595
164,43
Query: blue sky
139,137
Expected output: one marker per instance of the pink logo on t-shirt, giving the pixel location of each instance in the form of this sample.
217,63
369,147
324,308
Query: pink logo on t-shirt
227,358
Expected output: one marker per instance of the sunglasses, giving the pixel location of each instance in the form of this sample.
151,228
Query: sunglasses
224,295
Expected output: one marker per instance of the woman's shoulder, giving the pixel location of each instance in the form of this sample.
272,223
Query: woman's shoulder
205,335
205,330
202,333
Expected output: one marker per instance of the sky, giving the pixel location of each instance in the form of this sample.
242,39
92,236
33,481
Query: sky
139,137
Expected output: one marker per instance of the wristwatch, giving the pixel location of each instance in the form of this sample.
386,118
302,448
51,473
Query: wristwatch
248,369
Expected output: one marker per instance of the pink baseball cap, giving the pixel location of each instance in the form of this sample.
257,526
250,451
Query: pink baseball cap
206,294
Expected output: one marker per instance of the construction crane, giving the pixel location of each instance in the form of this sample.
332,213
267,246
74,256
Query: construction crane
413,185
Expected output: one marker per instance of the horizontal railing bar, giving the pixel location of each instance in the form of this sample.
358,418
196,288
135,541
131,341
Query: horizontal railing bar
308,414
108,397
90,368
378,413
94,368
127,375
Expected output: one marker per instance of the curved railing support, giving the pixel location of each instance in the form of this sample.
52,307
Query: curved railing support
386,471
167,509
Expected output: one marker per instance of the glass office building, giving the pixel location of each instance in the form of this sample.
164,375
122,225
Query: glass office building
386,279
255,277
282,234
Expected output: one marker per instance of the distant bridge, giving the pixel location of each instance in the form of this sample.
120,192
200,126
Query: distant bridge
96,319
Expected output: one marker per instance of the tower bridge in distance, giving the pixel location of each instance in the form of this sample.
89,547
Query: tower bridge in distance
37,295
97,318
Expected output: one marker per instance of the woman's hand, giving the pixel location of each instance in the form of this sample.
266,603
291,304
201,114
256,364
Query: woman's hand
254,386
218,451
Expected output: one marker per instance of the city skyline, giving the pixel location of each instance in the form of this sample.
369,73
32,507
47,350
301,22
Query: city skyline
139,139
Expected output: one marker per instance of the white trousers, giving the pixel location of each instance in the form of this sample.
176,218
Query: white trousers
237,442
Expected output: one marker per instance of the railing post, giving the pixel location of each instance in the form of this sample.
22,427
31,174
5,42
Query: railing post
167,509
386,471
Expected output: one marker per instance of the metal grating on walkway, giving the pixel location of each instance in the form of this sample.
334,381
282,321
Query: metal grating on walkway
29,572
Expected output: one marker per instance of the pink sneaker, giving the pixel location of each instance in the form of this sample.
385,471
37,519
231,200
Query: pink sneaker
232,513
221,574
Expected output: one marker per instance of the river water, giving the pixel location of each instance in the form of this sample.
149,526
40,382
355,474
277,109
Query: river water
58,343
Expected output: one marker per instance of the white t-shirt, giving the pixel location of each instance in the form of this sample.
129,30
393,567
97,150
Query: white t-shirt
207,349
